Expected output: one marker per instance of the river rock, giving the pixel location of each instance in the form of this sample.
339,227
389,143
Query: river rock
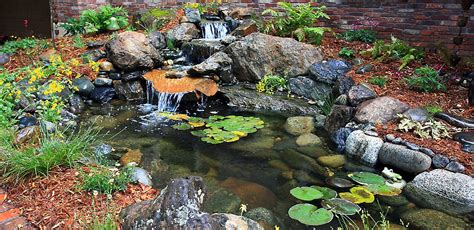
106,66
102,95
193,15
183,32
380,110
339,182
103,150
198,50
339,138
363,147
455,166
26,121
308,139
365,69
130,90
27,135
304,177
132,50
231,221
298,160
157,40
432,219
360,93
343,85
102,81
403,158
254,194
443,190
439,161
417,114
263,216
339,116
299,125
259,54
329,71
84,86
309,88
332,161
221,200
76,104
139,175
215,64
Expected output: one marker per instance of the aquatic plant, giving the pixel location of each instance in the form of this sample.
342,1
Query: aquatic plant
271,83
358,195
366,178
341,206
306,193
311,215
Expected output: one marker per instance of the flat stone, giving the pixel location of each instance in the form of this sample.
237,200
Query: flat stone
440,161
306,87
455,166
329,71
380,110
427,151
308,139
360,93
417,114
332,161
403,158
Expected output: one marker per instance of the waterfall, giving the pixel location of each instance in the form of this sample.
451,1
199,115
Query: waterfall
214,29
165,101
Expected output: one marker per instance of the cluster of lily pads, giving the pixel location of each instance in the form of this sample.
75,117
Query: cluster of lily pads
217,129
370,184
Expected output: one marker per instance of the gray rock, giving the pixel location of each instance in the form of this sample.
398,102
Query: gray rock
245,28
432,219
412,146
329,71
365,69
130,76
300,161
183,32
339,138
100,81
309,88
103,150
198,50
395,201
215,64
397,140
76,104
371,133
360,93
263,215
222,200
130,90
440,161
343,85
363,148
139,175
455,166
4,58
157,40
102,94
417,114
276,55
84,86
443,190
50,127
339,116
193,15
132,50
427,151
379,110
308,139
231,221
405,159
299,125
27,121
389,137
106,66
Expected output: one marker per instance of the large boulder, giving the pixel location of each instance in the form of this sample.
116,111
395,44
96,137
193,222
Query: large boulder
132,50
339,116
219,64
329,71
129,90
199,50
432,219
183,32
380,110
306,87
259,54
158,40
363,148
443,190
403,158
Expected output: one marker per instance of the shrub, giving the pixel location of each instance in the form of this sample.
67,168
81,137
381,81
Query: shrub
380,81
270,83
155,19
429,129
78,42
346,53
363,35
105,180
433,109
11,47
93,21
312,35
425,79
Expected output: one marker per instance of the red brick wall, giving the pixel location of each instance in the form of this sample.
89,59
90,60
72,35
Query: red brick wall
421,22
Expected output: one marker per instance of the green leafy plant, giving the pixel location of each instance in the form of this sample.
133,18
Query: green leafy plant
346,53
271,83
380,81
429,129
395,50
105,180
78,42
425,79
363,35
99,20
326,104
154,19
11,47
311,35
433,109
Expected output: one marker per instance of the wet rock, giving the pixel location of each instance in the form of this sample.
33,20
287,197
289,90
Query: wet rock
106,66
193,15
198,50
471,93
263,216
84,86
132,50
308,139
298,161
95,55
332,161
100,81
27,121
76,104
254,194
231,221
339,182
339,138
276,55
455,166
222,200
439,161
417,114
131,76
329,71
456,120
183,32
343,85
4,58
443,190
302,176
115,76
395,201
299,125
403,158
157,40
365,69
247,27
28,135
432,219
314,151
102,95
130,91
380,110
139,175
132,155
215,64
360,93
339,116
103,150
309,88
363,148
94,44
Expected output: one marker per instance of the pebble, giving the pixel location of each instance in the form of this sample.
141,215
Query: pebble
389,137
412,146
440,161
397,140
455,166
371,133
427,151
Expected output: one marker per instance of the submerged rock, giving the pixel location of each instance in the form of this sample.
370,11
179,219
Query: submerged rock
231,221
263,216
300,161
403,158
132,155
333,161
432,219
222,200
299,125
329,71
309,88
380,110
308,139
254,194
130,91
363,147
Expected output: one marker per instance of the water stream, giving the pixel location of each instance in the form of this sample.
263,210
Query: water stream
214,29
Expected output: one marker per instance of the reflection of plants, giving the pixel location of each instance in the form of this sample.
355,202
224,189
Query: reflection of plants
429,129
346,53
270,83
425,79
363,35
380,81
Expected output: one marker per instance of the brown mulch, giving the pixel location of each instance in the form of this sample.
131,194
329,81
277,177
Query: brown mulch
57,202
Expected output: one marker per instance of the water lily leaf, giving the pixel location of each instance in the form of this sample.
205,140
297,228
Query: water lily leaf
216,118
183,126
341,206
358,195
366,178
178,117
211,140
197,124
306,193
327,192
309,214
239,133
199,133
383,189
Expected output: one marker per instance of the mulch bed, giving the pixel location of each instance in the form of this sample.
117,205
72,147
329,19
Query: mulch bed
56,202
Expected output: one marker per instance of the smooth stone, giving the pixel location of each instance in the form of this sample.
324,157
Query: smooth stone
403,158
27,121
100,81
339,182
115,76
468,148
380,110
332,161
432,219
389,137
440,161
106,66
297,161
339,138
455,166
263,216
299,125
464,137
397,140
395,201
363,148
221,200
412,146
342,86
102,95
365,69
417,114
94,44
329,71
278,164
456,120
308,139
360,93
132,155
84,86
371,133
139,175
254,194
428,152
313,151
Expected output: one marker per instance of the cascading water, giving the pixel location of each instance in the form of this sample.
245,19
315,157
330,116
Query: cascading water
214,29
165,101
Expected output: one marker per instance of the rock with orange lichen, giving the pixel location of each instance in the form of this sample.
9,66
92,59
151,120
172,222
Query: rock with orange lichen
180,85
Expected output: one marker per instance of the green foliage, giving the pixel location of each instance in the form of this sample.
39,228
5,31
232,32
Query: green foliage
309,214
326,104
311,35
363,35
99,20
366,178
301,16
108,222
9,96
358,195
306,193
20,162
380,81
154,19
78,42
429,129
396,49
270,83
11,47
383,189
105,180
346,53
170,43
425,79
433,109
327,192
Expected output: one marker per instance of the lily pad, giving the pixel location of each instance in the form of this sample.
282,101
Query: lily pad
199,133
306,193
366,178
309,214
184,126
341,206
339,182
327,192
358,195
384,190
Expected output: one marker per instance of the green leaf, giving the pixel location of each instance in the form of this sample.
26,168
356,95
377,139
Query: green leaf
327,192
383,189
306,193
341,206
309,214
366,178
358,195
183,126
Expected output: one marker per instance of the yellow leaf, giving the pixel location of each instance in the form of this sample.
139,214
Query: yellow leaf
178,117
197,124
234,139
239,133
